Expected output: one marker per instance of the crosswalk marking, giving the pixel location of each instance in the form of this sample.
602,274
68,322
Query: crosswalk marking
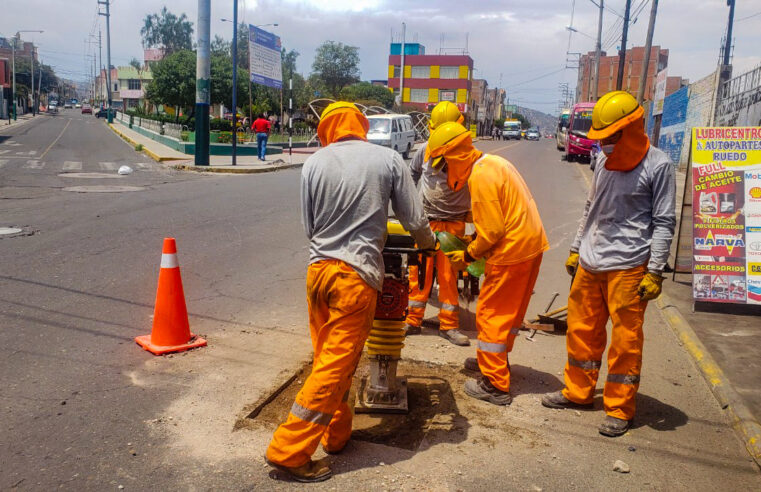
72,166
3,162
4,151
32,152
108,166
142,165
33,164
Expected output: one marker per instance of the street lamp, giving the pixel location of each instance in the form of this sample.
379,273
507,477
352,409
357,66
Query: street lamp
13,65
235,80
573,29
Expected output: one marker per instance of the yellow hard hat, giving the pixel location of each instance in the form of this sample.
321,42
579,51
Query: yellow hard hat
443,112
613,112
338,105
440,137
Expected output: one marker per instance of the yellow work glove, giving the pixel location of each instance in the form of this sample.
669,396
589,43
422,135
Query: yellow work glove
572,263
457,259
650,287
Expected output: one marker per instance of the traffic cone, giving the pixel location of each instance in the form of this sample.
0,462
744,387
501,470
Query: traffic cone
171,331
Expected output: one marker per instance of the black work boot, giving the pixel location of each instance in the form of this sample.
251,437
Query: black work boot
557,399
312,471
411,330
455,337
614,427
482,389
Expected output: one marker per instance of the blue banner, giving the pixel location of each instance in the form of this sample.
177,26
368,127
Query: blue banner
265,58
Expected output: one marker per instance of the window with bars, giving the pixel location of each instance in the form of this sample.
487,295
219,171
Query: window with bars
421,72
449,72
133,84
419,95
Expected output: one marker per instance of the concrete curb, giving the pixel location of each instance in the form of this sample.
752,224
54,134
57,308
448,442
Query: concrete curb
743,420
237,170
149,153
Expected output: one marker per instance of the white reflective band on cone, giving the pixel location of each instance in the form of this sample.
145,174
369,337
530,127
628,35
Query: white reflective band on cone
169,260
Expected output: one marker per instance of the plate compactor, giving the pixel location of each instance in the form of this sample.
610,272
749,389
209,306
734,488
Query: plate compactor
383,391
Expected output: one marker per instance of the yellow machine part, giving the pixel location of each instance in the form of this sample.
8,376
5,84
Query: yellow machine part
386,338
393,227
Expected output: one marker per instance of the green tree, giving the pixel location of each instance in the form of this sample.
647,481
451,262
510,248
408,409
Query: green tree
222,81
336,65
525,123
174,81
365,92
168,31
220,46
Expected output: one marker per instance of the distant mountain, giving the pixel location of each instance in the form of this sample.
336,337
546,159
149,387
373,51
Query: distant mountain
545,122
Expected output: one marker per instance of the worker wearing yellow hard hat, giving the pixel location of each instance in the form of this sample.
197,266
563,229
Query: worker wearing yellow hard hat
617,260
509,234
446,211
346,188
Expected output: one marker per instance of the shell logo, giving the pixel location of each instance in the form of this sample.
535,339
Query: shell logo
755,192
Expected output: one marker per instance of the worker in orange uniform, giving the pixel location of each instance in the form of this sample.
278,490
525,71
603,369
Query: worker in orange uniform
345,190
618,258
446,210
509,234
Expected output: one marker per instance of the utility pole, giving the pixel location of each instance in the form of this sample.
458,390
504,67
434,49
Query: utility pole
598,49
648,45
622,51
203,83
730,22
31,64
235,81
107,14
401,68
100,63
13,86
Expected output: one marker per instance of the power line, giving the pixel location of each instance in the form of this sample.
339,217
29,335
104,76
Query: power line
537,78
747,17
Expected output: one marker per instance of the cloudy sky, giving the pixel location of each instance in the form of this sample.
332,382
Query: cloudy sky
522,43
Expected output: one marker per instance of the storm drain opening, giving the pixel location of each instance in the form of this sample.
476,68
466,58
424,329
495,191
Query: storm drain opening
433,417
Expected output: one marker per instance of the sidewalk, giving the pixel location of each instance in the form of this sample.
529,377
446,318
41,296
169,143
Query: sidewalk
217,163
21,120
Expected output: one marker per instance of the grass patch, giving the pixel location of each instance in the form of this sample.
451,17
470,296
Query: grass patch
139,147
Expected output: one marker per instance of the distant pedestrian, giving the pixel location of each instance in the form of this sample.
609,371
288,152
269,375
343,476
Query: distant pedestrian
262,129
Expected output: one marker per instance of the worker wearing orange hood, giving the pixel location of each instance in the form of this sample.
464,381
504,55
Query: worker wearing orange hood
346,188
617,261
509,234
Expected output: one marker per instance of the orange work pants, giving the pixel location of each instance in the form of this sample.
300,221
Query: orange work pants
593,299
341,310
447,278
502,305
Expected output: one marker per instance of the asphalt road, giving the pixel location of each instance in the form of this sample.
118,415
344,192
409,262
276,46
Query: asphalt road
83,408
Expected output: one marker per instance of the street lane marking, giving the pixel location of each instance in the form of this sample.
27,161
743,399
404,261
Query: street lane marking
56,140
3,162
142,165
72,166
34,164
32,152
108,166
4,151
494,151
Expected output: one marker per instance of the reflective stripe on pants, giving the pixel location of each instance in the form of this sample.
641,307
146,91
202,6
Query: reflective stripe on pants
341,309
594,297
502,305
446,276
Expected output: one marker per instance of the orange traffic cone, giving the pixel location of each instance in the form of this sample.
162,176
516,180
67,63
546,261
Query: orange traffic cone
171,332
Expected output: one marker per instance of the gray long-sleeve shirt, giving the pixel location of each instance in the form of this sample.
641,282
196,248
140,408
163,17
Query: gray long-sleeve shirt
629,217
345,191
439,201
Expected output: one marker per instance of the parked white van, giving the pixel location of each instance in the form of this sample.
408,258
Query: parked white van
392,130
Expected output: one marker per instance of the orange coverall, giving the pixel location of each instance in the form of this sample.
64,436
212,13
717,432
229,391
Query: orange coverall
511,237
341,310
449,298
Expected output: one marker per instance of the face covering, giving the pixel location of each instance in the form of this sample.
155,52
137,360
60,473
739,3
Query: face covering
342,124
631,148
460,155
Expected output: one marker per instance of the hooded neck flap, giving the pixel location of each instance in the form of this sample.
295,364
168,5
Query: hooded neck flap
342,124
630,149
460,156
